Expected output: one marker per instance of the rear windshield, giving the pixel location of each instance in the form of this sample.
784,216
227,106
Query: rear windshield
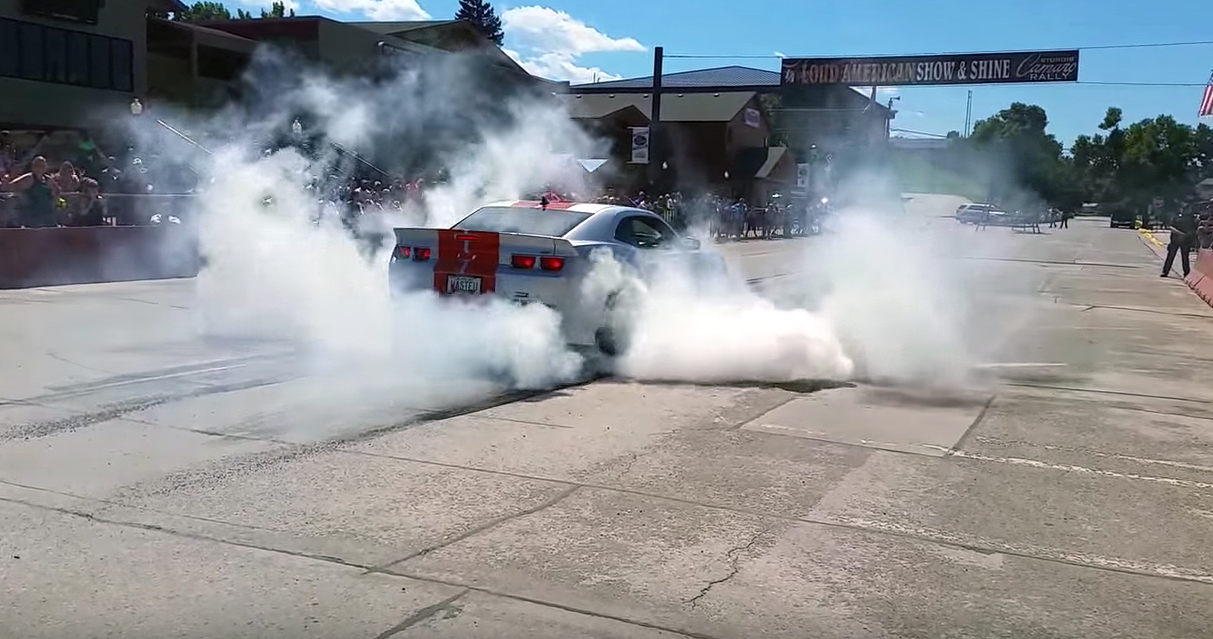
526,221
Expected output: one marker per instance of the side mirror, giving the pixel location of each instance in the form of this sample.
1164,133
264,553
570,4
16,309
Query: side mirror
690,243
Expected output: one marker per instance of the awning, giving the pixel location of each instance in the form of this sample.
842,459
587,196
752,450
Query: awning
774,155
591,165
756,163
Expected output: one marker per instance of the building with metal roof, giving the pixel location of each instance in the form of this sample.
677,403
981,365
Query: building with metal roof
730,78
65,62
675,107
826,116
714,80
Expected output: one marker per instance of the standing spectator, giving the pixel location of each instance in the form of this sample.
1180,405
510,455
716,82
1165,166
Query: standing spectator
90,206
37,209
1183,238
8,154
66,178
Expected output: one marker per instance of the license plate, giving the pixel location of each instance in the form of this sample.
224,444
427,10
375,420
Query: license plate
462,284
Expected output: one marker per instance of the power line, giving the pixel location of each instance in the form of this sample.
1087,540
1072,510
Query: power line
927,133
1098,47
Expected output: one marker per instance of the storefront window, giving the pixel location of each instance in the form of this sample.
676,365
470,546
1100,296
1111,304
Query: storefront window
77,58
47,54
121,55
56,55
10,49
99,61
31,51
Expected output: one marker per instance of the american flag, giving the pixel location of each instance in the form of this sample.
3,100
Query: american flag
1206,103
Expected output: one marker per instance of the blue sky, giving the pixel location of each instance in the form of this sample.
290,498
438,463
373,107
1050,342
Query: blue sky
576,39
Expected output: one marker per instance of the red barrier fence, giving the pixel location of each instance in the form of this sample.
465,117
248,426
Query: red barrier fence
85,255
1201,277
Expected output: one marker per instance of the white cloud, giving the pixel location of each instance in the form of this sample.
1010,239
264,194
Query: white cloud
550,44
547,29
561,66
779,54
376,9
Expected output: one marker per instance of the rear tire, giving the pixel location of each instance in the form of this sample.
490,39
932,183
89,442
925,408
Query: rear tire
604,339
611,339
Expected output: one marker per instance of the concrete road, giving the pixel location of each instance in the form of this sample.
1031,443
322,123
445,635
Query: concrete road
158,483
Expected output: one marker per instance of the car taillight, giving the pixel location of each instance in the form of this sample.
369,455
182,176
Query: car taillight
404,252
551,263
421,253
522,261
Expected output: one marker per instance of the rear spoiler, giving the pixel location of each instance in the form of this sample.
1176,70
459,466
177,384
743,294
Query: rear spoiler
508,243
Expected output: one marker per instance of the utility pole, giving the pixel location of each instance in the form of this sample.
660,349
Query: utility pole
656,150
969,114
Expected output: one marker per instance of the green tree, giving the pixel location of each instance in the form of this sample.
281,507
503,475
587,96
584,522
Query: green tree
204,10
481,14
1027,157
278,10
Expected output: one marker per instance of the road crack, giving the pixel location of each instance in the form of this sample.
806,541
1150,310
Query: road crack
734,557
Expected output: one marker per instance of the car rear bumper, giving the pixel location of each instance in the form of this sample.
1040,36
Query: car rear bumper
557,293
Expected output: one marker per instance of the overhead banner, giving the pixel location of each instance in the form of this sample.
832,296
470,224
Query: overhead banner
931,70
640,145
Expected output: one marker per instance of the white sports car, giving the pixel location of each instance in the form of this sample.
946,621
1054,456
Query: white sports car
539,252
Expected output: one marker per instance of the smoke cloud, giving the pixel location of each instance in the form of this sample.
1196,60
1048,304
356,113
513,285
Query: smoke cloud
281,265
869,300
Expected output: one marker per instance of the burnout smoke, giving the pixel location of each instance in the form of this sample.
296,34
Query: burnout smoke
689,325
898,312
281,266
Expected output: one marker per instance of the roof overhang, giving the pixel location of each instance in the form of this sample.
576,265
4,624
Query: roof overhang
774,155
172,6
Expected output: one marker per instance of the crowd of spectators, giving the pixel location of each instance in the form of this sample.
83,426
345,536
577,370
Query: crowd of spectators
1204,223
724,219
88,189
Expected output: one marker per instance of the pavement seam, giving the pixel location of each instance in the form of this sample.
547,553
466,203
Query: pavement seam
1152,311
76,420
867,529
427,416
1100,391
734,557
421,615
549,604
964,437
493,523
179,533
368,569
103,504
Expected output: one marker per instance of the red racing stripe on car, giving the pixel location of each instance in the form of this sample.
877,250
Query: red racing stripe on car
472,254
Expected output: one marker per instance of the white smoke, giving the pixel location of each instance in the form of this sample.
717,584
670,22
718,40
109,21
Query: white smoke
281,266
874,298
874,307
688,325
898,311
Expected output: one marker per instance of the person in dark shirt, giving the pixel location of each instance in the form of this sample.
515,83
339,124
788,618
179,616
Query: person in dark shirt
92,210
1183,238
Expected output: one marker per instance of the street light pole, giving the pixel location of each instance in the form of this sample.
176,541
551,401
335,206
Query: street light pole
655,147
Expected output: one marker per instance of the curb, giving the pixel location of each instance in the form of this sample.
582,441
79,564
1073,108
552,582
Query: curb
1198,281
1153,243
